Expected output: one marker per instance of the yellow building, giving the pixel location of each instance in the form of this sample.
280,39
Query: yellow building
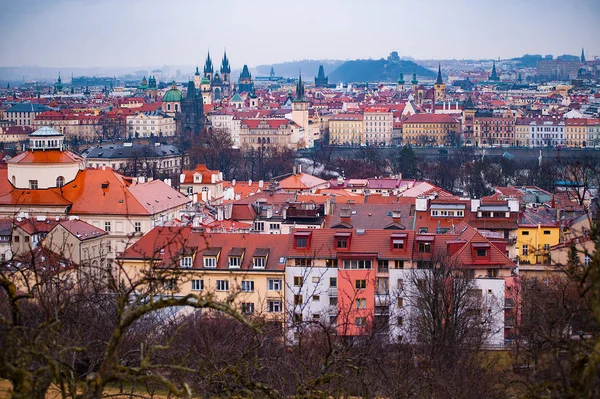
243,268
430,129
347,129
538,232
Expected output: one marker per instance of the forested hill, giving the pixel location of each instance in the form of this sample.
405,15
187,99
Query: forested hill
290,69
381,70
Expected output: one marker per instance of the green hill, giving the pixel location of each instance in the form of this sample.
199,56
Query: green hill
378,71
290,69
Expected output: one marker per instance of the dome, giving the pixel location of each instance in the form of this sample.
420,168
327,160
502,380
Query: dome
172,95
205,81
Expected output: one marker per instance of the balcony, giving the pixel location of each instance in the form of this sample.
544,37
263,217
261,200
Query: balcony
382,299
332,291
382,310
509,303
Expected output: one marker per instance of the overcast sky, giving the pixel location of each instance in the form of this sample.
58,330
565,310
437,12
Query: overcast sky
104,33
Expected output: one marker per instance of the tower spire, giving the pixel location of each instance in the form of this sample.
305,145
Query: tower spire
582,55
439,80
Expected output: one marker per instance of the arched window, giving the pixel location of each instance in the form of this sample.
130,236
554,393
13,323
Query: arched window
168,107
176,107
60,181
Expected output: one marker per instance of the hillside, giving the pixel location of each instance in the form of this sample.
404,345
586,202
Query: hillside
290,69
378,71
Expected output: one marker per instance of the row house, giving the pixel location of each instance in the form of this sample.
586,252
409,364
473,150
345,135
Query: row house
362,281
430,129
24,114
243,268
494,128
540,132
347,129
582,132
150,124
268,133
83,126
227,123
203,182
378,126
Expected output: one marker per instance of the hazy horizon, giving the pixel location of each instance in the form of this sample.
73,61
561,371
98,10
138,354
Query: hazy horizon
150,33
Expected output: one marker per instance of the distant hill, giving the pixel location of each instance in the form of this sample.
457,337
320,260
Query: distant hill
290,69
529,60
378,71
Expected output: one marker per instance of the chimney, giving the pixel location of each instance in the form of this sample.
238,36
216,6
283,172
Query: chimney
261,184
340,180
220,213
345,213
213,178
233,183
396,215
294,170
181,178
299,169
250,182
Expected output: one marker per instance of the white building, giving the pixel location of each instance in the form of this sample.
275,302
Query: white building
150,124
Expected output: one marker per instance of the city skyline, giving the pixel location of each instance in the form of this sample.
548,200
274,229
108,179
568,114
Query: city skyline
137,34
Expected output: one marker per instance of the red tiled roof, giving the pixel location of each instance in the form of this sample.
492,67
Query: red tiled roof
430,118
45,157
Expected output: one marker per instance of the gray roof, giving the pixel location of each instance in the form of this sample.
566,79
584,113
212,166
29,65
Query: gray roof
28,107
119,151
45,131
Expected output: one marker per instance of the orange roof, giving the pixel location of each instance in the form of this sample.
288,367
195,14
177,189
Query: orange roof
203,170
45,157
301,181
430,118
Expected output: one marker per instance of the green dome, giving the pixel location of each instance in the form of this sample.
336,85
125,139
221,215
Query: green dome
173,95
205,81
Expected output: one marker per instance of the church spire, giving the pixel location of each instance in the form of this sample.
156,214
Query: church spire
300,89
494,76
582,56
439,80
208,66
225,68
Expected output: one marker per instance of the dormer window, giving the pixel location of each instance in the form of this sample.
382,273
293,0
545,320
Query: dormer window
186,262
424,244
211,257
398,242
481,250
342,240
302,239
259,258
235,258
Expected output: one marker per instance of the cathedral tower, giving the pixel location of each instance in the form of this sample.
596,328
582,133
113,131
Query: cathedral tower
439,87
208,68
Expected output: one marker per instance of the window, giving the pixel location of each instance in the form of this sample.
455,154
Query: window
361,303
301,242
60,181
357,264
400,321
360,322
186,261
315,279
222,285
235,262
137,227
525,250
259,226
247,307
547,232
297,281
399,264
274,306
197,285
274,284
330,262
481,252
525,233
33,184
492,273
247,285
16,238
301,262
297,299
170,285
333,281
297,318
258,262
397,244
316,298
382,266
316,316
361,284
425,247
210,262
341,242
333,301
107,227
274,226
546,247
